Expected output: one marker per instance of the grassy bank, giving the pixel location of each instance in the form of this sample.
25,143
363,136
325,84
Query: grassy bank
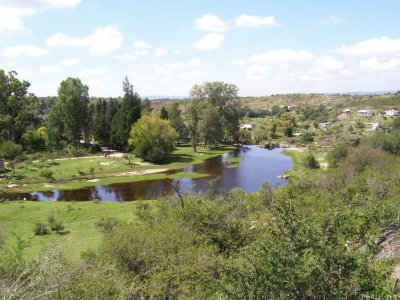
18,218
89,171
299,170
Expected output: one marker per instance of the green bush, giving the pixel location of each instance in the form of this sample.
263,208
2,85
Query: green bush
10,150
55,224
337,154
311,162
40,229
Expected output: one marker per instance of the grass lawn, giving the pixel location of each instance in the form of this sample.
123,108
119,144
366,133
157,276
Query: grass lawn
17,219
76,173
299,170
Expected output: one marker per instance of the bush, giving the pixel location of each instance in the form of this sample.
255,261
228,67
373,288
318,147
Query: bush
40,229
311,162
337,154
10,150
307,138
106,224
46,173
55,225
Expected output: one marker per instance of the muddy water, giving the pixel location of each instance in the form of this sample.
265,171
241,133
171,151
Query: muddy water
258,166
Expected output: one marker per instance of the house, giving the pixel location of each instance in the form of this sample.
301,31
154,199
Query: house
346,111
247,127
364,113
375,126
392,113
325,125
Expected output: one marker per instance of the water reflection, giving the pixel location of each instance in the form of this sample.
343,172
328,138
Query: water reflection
258,166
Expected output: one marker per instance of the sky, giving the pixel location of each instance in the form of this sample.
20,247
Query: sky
166,46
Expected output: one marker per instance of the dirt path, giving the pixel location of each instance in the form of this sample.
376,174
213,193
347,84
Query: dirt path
143,172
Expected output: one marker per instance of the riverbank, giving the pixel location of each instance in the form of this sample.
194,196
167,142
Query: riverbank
99,170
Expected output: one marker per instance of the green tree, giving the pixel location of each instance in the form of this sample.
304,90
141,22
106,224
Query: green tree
146,107
153,138
311,162
175,117
10,150
17,107
68,116
129,111
222,96
35,140
211,127
259,133
163,113
193,113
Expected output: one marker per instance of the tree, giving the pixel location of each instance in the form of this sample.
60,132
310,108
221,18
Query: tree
211,127
175,117
153,138
129,111
311,162
68,117
260,133
146,107
163,113
35,140
10,150
222,96
193,115
17,107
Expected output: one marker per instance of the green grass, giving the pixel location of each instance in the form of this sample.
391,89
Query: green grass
18,218
26,175
233,159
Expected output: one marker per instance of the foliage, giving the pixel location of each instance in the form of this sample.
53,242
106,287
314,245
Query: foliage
35,140
10,150
211,126
46,173
40,229
163,113
311,162
17,107
307,137
175,117
337,154
193,113
66,120
128,113
153,138
55,224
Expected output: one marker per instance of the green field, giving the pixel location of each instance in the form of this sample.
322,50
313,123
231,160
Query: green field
17,220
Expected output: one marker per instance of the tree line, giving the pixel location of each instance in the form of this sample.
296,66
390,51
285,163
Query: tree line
210,118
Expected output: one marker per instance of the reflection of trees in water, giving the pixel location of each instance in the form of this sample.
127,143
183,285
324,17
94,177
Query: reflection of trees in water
48,194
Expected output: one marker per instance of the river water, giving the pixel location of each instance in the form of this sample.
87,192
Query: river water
256,167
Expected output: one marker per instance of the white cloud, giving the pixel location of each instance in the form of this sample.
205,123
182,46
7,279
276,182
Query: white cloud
160,52
50,69
377,64
238,61
283,56
195,62
69,62
178,52
25,50
102,41
332,20
12,13
126,56
257,72
247,21
328,64
209,42
89,73
210,22
141,45
375,46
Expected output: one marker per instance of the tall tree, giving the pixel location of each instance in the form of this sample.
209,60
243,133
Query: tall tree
17,107
128,113
222,96
146,107
193,113
67,118
163,113
211,127
175,116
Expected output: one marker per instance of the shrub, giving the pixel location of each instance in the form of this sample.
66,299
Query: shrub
311,162
10,150
46,173
106,224
55,225
307,138
40,229
337,154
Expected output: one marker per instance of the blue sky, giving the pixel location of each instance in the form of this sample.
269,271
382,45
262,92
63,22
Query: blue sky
165,47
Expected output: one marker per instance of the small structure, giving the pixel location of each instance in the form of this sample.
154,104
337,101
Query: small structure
1,164
392,113
375,126
247,127
364,113
346,111
325,125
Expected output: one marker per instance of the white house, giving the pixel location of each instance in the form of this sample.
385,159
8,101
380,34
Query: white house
392,113
346,111
375,126
247,127
364,113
